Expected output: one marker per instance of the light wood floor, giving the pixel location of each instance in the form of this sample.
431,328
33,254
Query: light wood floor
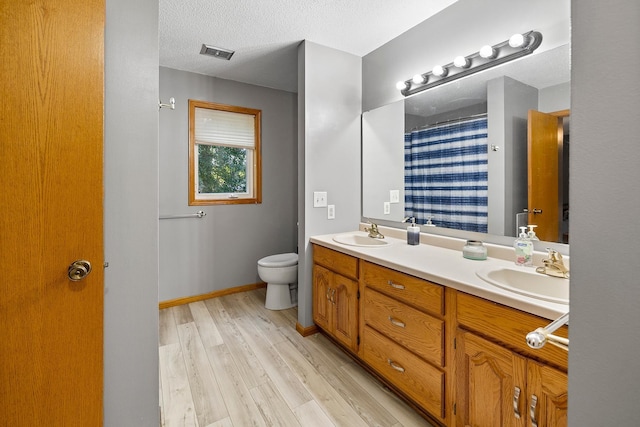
230,362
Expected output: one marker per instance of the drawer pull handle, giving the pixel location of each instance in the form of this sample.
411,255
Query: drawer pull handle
396,322
395,366
532,410
516,402
395,285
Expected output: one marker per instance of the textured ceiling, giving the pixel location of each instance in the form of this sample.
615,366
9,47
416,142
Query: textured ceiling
265,33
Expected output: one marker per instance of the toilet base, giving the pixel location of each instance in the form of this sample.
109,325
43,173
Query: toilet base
278,297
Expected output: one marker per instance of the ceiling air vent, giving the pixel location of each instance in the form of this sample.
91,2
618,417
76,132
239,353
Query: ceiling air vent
216,52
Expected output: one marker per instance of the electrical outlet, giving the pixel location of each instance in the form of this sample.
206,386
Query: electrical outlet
319,199
331,212
394,196
387,208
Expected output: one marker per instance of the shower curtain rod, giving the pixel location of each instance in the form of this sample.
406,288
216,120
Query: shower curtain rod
459,119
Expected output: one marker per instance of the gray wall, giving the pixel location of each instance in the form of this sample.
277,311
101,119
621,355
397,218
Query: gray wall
383,161
221,250
131,214
508,103
329,108
604,367
555,98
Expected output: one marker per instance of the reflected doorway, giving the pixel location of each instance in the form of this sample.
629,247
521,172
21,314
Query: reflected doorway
548,174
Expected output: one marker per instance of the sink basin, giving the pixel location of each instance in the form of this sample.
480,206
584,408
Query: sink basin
525,281
353,239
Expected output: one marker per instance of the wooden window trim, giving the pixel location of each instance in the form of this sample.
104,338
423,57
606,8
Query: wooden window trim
257,158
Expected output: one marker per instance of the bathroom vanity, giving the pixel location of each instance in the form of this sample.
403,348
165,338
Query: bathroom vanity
452,345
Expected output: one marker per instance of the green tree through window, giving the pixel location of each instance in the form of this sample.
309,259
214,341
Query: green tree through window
222,169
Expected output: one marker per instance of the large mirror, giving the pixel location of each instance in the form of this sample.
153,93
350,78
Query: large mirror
501,104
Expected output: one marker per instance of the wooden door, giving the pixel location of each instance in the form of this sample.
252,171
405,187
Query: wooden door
491,388
547,394
346,311
51,145
322,306
544,150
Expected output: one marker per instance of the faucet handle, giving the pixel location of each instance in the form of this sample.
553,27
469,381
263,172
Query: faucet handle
554,256
373,230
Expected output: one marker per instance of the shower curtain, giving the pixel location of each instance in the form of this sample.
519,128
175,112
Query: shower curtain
446,174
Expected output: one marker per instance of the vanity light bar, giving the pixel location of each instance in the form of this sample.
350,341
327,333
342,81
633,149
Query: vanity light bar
489,56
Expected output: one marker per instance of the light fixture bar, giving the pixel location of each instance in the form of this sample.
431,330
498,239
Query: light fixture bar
502,52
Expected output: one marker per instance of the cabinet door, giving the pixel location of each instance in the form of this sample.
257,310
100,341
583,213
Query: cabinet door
491,384
547,396
345,320
322,306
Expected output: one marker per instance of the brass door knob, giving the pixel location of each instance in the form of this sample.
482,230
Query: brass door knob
79,269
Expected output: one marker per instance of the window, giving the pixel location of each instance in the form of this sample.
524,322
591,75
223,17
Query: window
224,154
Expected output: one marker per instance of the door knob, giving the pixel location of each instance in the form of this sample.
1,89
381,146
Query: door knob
79,269
533,211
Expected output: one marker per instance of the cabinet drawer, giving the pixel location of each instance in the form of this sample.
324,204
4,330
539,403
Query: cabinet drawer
419,293
508,326
416,378
336,261
419,332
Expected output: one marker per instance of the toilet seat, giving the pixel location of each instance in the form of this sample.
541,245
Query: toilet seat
279,260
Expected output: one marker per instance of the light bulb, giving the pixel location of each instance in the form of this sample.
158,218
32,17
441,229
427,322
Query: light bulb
419,79
461,62
516,40
439,71
487,52
402,85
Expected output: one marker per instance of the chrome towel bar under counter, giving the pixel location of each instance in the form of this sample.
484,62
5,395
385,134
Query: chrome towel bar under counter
198,214
538,338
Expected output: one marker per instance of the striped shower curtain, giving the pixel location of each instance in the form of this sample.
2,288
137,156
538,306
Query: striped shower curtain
446,174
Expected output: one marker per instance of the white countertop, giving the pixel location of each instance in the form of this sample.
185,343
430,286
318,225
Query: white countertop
439,259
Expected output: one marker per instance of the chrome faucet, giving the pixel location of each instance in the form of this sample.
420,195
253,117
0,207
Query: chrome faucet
553,265
373,231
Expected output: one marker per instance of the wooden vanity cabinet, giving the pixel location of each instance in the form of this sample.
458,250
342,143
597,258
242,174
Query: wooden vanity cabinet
500,384
550,386
335,295
491,385
463,364
403,334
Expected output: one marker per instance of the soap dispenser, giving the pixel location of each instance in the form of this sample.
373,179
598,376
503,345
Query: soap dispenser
524,249
531,233
413,232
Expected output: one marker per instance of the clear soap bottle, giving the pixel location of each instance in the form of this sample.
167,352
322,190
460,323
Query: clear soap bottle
524,249
532,233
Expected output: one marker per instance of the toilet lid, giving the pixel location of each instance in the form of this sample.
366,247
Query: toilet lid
279,260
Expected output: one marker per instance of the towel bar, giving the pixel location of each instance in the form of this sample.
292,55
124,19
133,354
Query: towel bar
198,214
538,338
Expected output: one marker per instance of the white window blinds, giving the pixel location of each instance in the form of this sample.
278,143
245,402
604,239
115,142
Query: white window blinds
230,129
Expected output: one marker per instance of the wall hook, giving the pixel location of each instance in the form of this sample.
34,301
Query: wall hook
171,104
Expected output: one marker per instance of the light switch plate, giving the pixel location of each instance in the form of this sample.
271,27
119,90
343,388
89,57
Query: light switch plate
331,212
319,199
387,208
394,196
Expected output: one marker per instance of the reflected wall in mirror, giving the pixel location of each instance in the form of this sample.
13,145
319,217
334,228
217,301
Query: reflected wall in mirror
494,193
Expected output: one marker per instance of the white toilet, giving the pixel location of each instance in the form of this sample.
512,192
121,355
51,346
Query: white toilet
281,274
